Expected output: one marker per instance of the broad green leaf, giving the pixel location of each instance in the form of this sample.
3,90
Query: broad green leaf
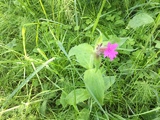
95,84
84,55
109,81
77,96
140,19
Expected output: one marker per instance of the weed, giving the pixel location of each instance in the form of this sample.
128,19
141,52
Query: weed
52,64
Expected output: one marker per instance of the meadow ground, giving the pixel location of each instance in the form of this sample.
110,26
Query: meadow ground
52,65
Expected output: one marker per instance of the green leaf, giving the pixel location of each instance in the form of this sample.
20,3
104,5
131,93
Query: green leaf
140,20
63,99
76,28
77,96
109,81
95,84
43,107
114,39
12,43
83,114
122,41
157,44
84,55
99,40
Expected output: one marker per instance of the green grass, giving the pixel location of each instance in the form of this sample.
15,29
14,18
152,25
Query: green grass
37,74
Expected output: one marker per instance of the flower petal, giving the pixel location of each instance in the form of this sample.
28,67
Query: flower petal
110,51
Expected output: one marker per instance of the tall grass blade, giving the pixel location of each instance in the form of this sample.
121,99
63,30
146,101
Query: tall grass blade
27,80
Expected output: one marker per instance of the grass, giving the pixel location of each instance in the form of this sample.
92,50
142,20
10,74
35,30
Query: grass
37,74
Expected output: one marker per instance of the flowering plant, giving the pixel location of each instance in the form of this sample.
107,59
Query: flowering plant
108,51
96,82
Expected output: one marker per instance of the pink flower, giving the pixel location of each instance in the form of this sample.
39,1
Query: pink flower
110,51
